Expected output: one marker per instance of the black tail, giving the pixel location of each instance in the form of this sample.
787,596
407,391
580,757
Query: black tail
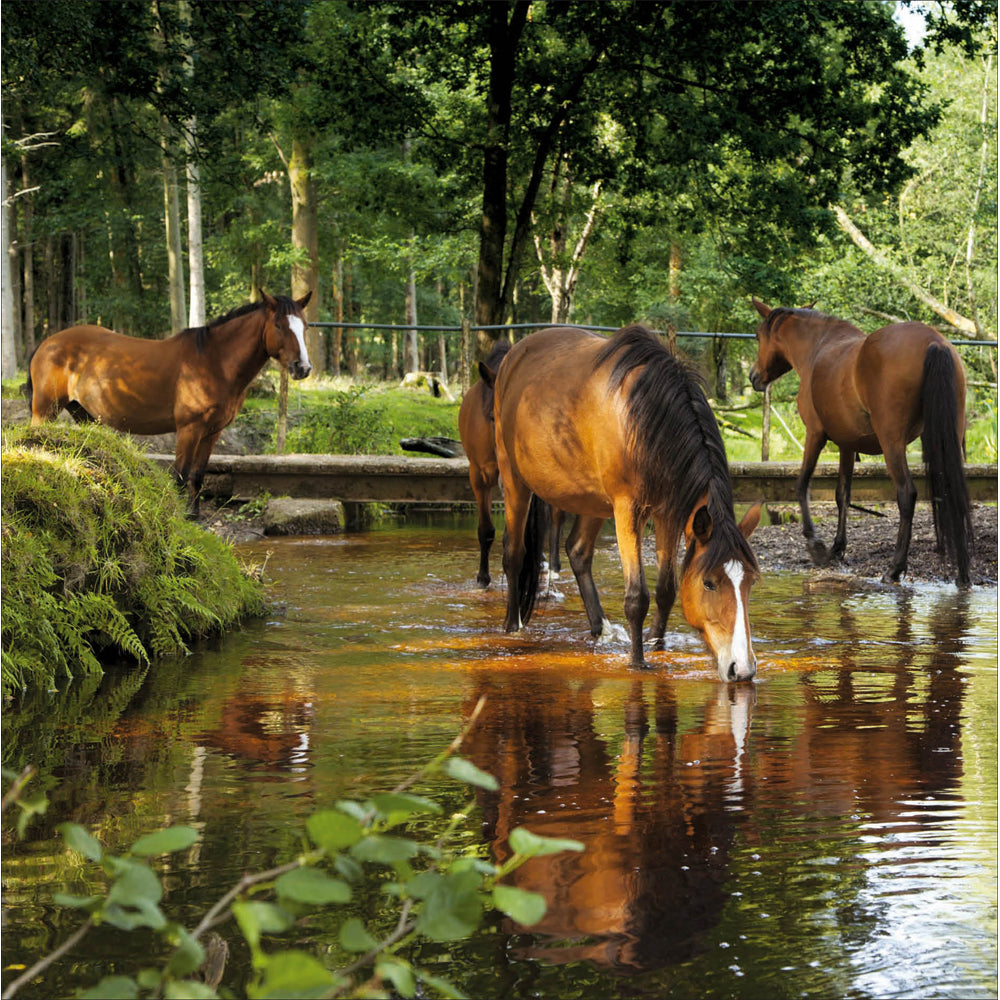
943,455
534,548
28,388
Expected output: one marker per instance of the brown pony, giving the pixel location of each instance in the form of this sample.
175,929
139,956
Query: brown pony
475,428
873,395
193,383
620,428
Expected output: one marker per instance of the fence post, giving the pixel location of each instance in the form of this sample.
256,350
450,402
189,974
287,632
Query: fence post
466,353
765,426
282,429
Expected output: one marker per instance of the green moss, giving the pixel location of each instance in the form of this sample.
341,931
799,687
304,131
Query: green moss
99,560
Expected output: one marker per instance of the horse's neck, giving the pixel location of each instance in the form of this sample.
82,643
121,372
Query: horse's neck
805,338
240,349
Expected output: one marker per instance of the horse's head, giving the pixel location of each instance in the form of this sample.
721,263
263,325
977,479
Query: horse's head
771,362
715,591
285,333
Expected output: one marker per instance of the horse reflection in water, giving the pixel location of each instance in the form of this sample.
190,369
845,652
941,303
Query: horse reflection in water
651,879
700,771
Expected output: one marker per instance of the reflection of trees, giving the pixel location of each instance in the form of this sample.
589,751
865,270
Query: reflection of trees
652,816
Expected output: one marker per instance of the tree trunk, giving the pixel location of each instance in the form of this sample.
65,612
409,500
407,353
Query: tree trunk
8,329
411,354
196,256
960,322
305,237
172,220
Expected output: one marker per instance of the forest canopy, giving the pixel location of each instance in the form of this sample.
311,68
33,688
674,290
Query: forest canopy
500,162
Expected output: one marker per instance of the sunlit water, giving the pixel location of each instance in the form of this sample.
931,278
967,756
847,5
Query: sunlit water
828,831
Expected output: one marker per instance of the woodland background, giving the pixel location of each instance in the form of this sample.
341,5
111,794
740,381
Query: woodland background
425,163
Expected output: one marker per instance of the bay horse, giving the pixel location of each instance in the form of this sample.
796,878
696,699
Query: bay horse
476,431
619,427
874,395
193,383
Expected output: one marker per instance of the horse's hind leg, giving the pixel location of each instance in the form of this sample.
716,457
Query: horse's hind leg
580,550
555,530
486,532
190,461
843,502
906,500
815,440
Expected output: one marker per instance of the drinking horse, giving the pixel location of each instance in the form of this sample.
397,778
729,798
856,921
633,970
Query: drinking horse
193,383
621,428
476,430
874,395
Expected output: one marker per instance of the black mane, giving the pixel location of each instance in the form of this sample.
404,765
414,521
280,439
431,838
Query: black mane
286,307
674,439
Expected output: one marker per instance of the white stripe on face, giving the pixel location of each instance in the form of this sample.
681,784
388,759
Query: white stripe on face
739,647
297,327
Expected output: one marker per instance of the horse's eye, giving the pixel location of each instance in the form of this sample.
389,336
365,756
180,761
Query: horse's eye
709,584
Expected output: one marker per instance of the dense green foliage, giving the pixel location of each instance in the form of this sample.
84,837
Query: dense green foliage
99,559
398,845
712,139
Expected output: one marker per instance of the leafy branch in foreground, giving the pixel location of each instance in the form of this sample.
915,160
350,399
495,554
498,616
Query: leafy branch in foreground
440,894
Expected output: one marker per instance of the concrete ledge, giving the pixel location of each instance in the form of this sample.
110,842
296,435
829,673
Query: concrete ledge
390,478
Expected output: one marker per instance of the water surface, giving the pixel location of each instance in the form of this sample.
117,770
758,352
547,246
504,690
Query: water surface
829,830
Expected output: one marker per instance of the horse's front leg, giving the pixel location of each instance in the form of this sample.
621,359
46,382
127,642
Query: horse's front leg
906,500
815,440
580,551
193,451
628,527
483,490
847,457
666,583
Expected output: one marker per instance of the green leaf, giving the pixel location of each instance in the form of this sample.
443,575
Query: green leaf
77,839
112,988
134,884
188,989
399,973
399,806
77,902
188,957
531,845
420,886
452,909
354,936
256,919
333,830
310,885
448,990
525,907
291,975
169,841
464,770
387,850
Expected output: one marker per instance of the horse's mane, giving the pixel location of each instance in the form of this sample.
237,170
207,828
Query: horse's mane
499,352
674,439
286,306
780,312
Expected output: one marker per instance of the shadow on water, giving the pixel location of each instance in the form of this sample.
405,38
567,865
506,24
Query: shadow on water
827,831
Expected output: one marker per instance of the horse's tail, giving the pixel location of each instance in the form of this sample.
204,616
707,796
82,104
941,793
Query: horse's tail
28,389
534,550
943,456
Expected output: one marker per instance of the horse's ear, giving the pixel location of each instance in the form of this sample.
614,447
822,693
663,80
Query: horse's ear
304,301
750,520
267,300
487,375
764,310
701,525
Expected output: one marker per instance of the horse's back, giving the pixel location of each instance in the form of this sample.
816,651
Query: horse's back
126,382
559,430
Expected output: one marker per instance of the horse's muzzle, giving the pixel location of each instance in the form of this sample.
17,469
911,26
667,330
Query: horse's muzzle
298,370
756,381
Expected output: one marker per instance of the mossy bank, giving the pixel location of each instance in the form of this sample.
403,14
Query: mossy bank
99,561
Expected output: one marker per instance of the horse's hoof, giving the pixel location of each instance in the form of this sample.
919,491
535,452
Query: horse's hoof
817,552
891,577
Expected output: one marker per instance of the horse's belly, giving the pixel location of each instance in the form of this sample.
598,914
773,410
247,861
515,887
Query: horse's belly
121,409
